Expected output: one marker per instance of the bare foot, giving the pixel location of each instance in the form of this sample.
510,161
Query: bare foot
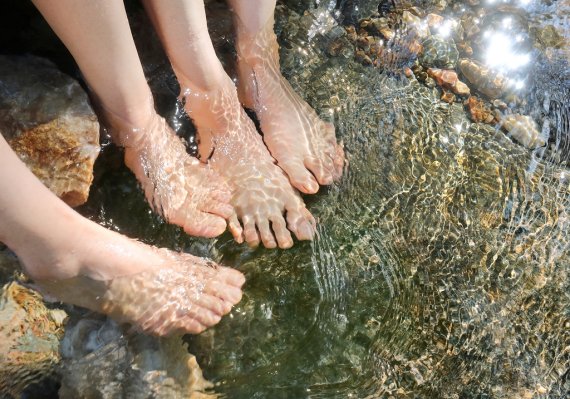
263,195
304,146
157,291
183,190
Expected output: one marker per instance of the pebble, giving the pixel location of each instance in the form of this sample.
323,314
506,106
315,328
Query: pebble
448,79
524,130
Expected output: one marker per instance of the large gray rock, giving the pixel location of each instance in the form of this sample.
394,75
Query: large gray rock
99,360
46,117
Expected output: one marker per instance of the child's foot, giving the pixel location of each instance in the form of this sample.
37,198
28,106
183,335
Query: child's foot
183,190
304,146
155,290
262,192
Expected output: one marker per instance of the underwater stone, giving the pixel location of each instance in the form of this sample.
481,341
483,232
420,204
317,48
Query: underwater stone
524,130
448,79
479,111
46,117
439,52
485,80
29,339
99,360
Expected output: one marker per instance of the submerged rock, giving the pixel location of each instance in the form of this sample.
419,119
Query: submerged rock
485,80
439,52
448,80
29,339
99,361
479,111
46,117
524,130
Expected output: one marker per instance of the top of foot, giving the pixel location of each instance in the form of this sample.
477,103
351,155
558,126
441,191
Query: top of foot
304,146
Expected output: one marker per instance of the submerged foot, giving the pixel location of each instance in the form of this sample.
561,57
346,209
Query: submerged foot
304,146
157,291
264,201
182,189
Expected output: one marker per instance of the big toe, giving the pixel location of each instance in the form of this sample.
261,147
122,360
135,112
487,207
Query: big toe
321,168
300,177
204,224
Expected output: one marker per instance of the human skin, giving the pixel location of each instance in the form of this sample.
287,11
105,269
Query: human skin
185,191
79,262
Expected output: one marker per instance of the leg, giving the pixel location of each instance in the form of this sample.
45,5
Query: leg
186,192
304,146
81,263
227,135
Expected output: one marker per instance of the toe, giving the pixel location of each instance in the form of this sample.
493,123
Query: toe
250,232
301,223
235,228
218,208
204,225
320,169
338,161
265,233
300,177
282,234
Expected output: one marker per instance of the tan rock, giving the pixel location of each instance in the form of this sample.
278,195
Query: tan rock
485,80
46,117
524,130
29,339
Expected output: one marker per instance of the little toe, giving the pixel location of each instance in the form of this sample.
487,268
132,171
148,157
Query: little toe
250,232
320,169
204,225
300,222
282,234
265,232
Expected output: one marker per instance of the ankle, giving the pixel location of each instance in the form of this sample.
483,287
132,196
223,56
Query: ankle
127,124
53,255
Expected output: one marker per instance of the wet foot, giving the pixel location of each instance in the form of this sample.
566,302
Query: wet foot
185,191
304,146
264,201
155,290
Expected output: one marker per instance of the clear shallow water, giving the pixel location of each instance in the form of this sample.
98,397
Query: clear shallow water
441,263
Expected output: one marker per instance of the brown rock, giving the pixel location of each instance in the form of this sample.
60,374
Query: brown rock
448,79
479,111
47,119
448,97
29,339
434,20
61,153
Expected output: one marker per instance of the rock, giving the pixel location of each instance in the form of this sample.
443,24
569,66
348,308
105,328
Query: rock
439,52
448,79
548,36
485,80
46,117
414,22
29,339
447,97
99,361
479,111
524,130
434,20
